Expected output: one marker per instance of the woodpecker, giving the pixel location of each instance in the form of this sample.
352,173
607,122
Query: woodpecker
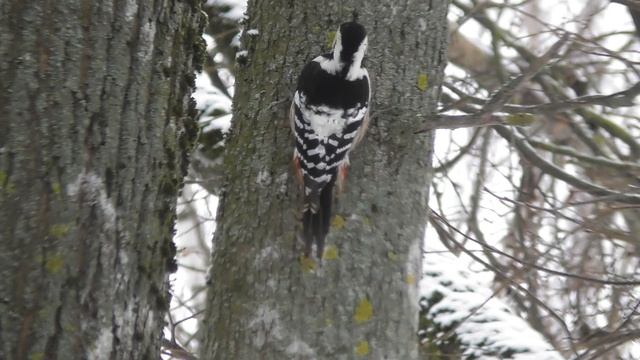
329,116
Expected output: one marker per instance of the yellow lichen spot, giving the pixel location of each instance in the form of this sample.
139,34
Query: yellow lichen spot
423,81
307,263
6,185
364,311
37,356
237,308
69,328
599,139
328,322
55,188
337,222
520,119
362,348
59,230
330,253
54,264
330,37
410,279
392,255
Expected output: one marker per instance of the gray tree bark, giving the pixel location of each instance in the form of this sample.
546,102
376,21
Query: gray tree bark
265,302
96,123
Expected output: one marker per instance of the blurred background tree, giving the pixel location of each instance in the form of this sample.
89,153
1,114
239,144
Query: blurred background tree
96,128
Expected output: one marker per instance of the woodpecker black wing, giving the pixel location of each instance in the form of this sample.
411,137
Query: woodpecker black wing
328,117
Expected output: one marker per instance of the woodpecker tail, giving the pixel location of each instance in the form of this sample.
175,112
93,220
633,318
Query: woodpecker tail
317,218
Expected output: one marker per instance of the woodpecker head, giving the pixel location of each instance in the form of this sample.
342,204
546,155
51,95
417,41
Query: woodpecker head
350,44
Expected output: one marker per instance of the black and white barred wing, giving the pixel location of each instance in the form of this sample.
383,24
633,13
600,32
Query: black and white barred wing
324,138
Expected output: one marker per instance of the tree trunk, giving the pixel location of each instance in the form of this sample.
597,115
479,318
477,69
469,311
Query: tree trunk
96,125
265,302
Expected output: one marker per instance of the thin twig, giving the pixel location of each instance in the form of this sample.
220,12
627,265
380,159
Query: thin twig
527,151
535,266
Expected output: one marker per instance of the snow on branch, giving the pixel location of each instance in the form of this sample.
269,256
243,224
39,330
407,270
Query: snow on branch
460,317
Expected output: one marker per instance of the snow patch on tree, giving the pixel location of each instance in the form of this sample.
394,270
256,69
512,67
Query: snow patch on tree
235,9
268,254
412,272
91,189
101,348
147,35
267,327
130,10
462,314
265,324
299,348
281,181
263,178
242,54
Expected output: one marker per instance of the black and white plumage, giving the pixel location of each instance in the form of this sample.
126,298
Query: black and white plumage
329,116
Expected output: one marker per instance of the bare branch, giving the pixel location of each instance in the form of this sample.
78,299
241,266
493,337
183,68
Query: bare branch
504,276
497,101
612,128
595,160
631,4
530,154
474,121
532,265
176,351
623,98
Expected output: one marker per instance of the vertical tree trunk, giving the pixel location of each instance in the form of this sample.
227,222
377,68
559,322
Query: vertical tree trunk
95,128
264,302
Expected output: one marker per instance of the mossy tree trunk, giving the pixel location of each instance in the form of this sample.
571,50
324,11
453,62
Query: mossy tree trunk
96,123
361,301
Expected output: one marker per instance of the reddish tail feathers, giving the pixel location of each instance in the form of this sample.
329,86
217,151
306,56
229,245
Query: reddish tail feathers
343,172
298,169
